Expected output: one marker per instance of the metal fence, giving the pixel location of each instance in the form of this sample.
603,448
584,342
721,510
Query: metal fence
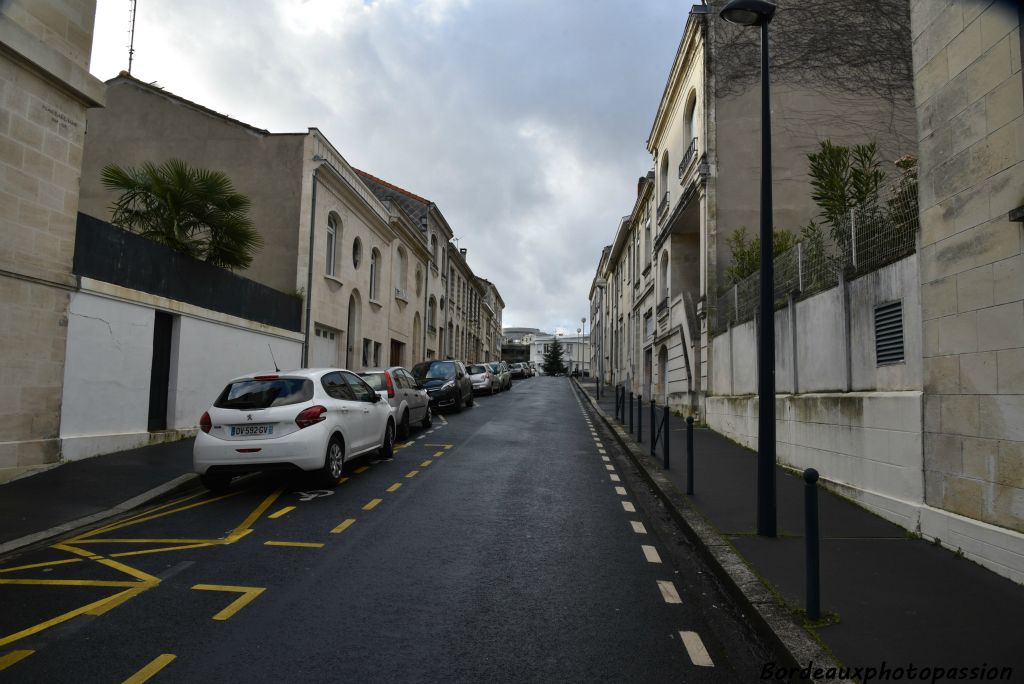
863,240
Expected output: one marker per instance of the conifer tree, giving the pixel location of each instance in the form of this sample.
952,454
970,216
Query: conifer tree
553,363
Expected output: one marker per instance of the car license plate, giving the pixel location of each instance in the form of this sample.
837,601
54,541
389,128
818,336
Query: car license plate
251,430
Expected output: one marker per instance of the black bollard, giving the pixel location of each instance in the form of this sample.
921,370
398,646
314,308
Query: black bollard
654,437
630,413
811,543
689,455
639,419
665,429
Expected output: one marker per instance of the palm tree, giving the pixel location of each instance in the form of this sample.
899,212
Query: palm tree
194,211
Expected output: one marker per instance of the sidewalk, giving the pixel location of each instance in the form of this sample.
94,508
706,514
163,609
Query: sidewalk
899,600
77,493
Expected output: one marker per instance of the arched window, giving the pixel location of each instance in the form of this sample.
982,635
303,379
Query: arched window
664,276
419,280
432,313
374,274
433,247
331,247
402,268
357,252
663,177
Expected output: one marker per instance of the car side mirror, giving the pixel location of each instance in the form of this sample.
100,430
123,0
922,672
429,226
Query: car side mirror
374,398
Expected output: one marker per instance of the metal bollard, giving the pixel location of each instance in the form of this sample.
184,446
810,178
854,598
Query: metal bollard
811,566
665,429
689,455
654,437
631,413
639,419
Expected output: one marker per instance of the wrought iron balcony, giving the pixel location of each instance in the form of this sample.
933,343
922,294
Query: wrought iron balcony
691,152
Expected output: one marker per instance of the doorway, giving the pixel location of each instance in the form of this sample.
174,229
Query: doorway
160,371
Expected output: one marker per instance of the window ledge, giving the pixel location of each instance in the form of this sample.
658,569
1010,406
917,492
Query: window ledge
333,279
375,303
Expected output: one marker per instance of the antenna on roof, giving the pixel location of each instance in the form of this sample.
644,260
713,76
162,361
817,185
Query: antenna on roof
276,369
131,42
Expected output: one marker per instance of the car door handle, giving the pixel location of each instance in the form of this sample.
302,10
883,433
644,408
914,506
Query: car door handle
343,410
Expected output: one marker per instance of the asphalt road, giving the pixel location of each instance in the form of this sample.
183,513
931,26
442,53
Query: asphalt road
512,542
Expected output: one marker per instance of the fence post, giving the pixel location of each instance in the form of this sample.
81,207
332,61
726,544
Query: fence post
665,437
735,304
800,266
811,567
630,412
853,238
689,455
654,437
640,419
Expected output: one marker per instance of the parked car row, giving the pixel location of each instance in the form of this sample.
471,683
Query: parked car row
316,420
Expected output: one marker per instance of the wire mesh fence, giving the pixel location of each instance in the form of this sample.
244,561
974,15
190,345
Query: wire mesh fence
862,240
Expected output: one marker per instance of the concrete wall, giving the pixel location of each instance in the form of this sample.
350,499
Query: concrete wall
109,359
45,89
970,108
140,124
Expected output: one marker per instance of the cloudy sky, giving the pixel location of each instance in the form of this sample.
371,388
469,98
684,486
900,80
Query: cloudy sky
524,120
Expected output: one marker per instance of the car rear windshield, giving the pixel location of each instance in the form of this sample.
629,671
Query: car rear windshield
477,370
374,380
437,370
260,394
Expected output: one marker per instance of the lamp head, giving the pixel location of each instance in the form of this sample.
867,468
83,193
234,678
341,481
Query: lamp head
748,12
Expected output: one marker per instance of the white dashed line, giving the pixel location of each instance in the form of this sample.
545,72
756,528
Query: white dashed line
601,451
695,649
620,491
668,591
650,553
599,444
629,507
606,459
609,466
638,527
615,478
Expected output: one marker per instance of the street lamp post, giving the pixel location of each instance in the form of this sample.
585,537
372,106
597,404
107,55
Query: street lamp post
760,13
583,348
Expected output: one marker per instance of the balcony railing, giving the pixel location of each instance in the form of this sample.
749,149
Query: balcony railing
663,207
691,152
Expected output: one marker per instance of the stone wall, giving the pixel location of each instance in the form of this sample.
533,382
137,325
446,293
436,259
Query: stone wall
970,109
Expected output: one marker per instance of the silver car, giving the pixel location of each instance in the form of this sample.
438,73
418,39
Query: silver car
409,402
502,376
483,379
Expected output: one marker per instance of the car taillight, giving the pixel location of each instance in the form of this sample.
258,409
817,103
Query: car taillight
205,424
390,385
311,416
489,376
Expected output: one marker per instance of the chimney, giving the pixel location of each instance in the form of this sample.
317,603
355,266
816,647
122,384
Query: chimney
462,251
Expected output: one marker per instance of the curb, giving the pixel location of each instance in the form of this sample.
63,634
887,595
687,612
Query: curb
790,641
21,542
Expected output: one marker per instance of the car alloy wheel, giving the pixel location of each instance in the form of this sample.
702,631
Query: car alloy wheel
335,464
387,449
428,418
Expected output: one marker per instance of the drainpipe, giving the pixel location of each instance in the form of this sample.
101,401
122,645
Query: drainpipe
309,274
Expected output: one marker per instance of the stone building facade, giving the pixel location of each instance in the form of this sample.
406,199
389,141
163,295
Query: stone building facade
46,89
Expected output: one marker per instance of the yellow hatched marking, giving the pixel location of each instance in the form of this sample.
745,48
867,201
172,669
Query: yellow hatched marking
149,541
116,600
361,469
41,565
342,480
444,446
35,629
162,549
146,518
284,511
69,583
252,517
125,521
305,545
412,473
345,524
439,454
157,664
373,504
425,464
394,487
13,657
247,595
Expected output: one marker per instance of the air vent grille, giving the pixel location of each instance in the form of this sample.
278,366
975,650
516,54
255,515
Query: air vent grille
889,333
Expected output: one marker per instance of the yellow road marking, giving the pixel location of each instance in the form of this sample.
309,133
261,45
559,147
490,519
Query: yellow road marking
394,487
70,582
157,664
35,629
305,545
146,512
439,454
13,657
136,521
284,511
252,517
247,595
372,504
345,524
425,464
149,541
116,600
342,480
411,473
361,469
42,565
165,548
446,446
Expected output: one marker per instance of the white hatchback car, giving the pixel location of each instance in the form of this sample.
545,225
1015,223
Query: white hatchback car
309,419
